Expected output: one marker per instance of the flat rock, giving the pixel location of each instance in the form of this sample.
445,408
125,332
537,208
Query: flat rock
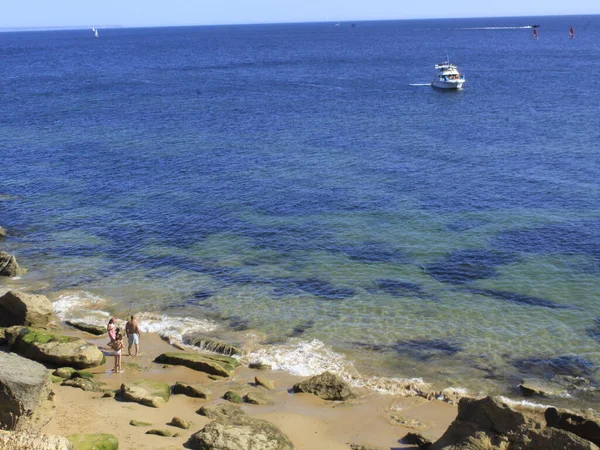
20,308
9,266
264,382
240,433
100,441
84,384
532,387
212,344
137,423
146,392
327,386
220,410
163,433
96,330
54,349
257,398
212,364
191,390
23,440
24,387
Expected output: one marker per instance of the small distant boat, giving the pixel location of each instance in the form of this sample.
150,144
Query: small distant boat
571,33
95,32
535,26
448,76
535,33
337,24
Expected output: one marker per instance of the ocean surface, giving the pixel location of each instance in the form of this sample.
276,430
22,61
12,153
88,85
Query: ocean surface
292,186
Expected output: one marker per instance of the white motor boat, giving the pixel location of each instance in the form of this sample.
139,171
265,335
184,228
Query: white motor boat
448,77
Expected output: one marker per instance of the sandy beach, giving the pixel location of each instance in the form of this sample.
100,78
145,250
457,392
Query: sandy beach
373,420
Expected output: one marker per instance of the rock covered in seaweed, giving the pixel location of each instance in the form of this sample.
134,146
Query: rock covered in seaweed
20,308
24,391
191,390
327,386
54,349
96,330
220,365
99,441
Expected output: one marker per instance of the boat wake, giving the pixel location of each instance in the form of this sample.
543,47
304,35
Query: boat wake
524,27
420,84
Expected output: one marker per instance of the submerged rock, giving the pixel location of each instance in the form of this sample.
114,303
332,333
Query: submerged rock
24,390
540,388
54,349
84,384
212,364
19,308
327,386
490,424
100,441
146,392
240,432
191,390
9,266
20,440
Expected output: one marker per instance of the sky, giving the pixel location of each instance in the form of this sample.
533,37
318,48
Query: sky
68,13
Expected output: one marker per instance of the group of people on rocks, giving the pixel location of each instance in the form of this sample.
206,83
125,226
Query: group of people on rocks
132,330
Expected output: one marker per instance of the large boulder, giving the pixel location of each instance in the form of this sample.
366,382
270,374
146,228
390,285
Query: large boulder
586,426
146,392
19,308
24,392
20,440
240,432
220,365
191,390
100,441
53,349
327,386
490,424
9,266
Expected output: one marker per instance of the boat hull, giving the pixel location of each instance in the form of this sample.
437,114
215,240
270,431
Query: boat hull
448,84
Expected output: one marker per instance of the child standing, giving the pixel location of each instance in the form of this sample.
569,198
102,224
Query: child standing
117,346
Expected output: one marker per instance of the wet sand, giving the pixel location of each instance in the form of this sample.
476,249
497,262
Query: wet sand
311,423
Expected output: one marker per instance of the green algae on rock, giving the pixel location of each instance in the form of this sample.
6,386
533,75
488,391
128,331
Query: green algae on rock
212,364
146,392
100,441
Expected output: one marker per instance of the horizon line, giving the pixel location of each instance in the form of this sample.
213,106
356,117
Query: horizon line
85,27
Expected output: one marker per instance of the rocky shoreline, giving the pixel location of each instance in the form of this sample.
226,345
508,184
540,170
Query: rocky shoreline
177,398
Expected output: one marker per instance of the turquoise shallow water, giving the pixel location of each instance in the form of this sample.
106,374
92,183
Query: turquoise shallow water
287,180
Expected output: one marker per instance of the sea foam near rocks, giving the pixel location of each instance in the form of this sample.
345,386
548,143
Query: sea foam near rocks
309,358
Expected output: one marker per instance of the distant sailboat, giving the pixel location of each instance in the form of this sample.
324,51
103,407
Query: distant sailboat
95,32
535,33
571,33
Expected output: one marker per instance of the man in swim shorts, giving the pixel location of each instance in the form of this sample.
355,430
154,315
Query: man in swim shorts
132,330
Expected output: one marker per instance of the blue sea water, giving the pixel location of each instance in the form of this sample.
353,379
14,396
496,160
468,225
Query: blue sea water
291,179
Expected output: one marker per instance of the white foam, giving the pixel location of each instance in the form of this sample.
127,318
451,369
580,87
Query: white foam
306,358
89,308
526,404
16,278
